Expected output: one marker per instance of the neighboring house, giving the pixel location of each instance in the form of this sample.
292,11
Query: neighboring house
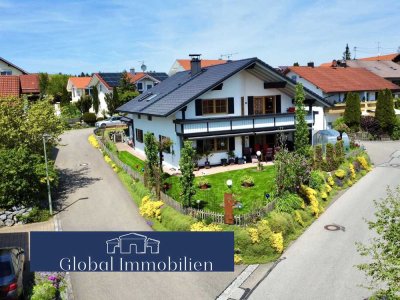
395,57
105,82
20,85
78,86
333,84
8,68
238,106
384,68
184,64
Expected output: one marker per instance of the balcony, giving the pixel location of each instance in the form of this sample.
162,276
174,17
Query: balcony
237,124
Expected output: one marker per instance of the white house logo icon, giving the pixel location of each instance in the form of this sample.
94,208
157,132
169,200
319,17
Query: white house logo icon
133,243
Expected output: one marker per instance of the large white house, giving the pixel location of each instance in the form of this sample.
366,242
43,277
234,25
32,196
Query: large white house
238,106
333,84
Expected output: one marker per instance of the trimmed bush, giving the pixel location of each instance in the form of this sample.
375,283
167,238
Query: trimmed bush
100,119
174,221
281,222
288,203
317,180
89,118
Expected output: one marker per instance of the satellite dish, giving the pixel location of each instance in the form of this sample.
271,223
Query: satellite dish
143,67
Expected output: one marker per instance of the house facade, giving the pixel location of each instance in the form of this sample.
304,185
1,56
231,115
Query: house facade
239,106
78,86
105,82
8,68
333,84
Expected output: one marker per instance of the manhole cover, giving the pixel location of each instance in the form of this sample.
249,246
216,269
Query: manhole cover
333,227
83,164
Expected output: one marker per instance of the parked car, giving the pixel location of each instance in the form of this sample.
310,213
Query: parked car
113,121
11,273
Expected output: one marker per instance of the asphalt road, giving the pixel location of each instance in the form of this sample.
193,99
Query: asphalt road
320,264
93,198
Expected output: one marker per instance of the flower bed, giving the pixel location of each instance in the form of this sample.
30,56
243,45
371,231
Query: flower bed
49,286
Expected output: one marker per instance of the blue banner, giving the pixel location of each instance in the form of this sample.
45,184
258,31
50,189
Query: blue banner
81,251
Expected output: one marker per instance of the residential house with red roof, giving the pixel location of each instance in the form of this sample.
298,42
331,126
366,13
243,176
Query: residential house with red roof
16,82
184,64
78,86
333,83
105,82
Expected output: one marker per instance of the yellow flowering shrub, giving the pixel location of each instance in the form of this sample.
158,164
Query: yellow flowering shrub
107,159
364,163
201,226
93,141
150,209
349,182
328,188
237,259
276,240
254,236
330,181
324,195
352,171
340,173
298,218
311,196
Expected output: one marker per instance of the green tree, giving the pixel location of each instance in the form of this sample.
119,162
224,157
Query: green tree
112,101
301,135
96,101
346,53
152,167
58,87
43,84
22,177
384,111
125,83
186,164
127,96
383,268
352,111
84,103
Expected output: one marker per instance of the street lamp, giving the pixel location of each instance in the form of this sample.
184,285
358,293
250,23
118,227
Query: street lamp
198,204
259,160
229,183
47,137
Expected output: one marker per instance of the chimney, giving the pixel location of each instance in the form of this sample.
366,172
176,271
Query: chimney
132,71
195,64
310,64
334,63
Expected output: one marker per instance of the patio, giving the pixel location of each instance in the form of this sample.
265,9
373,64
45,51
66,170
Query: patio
201,171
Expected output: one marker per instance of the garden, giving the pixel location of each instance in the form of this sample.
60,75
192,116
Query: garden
300,185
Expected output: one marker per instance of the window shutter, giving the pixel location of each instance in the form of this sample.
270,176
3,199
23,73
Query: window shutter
232,144
250,105
199,146
278,104
231,105
199,108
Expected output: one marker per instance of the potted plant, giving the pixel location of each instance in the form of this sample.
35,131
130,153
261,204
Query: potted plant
247,181
207,154
231,157
204,183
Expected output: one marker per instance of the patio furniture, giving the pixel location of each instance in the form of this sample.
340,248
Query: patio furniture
269,154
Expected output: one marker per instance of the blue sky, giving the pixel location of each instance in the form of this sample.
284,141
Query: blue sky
91,36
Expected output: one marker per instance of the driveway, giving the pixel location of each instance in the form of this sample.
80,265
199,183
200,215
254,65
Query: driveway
93,198
320,264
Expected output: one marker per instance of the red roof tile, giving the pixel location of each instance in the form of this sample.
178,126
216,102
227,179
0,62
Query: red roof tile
332,80
185,63
29,83
80,82
381,57
135,77
9,85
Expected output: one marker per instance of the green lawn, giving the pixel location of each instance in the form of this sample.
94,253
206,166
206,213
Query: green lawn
212,198
135,163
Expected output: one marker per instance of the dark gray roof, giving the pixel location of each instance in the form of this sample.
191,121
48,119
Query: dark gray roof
178,90
12,65
160,76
